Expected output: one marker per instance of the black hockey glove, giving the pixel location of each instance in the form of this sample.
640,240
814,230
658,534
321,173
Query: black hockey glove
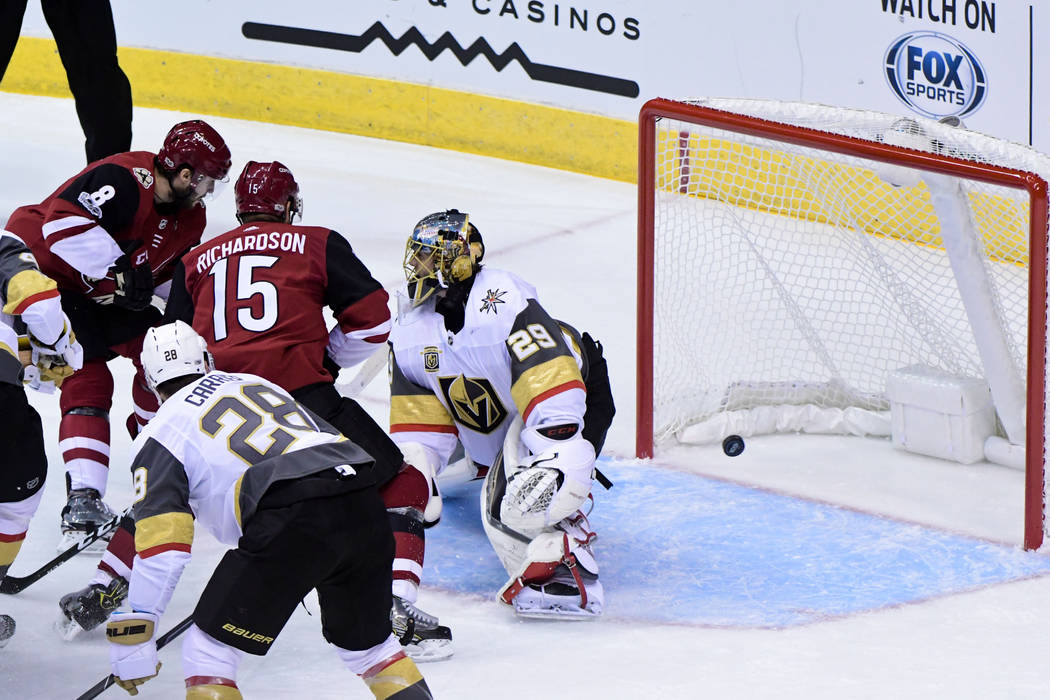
134,284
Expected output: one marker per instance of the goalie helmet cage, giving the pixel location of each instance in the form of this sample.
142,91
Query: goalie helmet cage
792,256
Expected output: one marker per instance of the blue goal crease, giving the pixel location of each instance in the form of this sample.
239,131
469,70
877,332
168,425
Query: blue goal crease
680,548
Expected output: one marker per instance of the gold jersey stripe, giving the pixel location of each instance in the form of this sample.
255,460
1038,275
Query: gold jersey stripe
542,378
418,409
163,530
237,499
26,287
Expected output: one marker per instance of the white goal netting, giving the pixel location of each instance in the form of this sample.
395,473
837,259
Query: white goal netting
792,275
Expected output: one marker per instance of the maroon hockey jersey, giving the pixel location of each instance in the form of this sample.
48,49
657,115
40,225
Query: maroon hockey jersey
104,211
256,294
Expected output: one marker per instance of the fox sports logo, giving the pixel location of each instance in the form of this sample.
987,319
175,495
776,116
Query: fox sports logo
935,75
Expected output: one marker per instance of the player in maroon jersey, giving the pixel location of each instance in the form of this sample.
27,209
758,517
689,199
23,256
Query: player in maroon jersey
256,294
110,236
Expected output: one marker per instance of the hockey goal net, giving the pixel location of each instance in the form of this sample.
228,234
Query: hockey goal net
792,257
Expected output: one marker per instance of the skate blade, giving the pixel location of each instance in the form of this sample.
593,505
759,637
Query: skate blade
70,539
67,628
559,613
429,650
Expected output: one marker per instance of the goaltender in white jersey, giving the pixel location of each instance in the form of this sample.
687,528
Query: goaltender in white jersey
478,361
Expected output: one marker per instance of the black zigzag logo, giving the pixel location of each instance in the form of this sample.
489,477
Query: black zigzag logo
413,37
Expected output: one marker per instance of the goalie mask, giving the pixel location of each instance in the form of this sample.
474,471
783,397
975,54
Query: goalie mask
171,351
444,248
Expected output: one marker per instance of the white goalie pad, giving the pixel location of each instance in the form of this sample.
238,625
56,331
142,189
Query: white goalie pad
552,570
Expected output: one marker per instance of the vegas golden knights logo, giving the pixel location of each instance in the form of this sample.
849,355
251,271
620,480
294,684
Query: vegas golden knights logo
473,403
431,358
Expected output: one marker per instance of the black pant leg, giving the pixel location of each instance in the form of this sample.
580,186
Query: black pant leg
11,13
347,416
87,45
24,465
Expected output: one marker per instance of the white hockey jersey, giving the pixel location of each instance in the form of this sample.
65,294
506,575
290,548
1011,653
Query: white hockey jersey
510,358
28,298
209,454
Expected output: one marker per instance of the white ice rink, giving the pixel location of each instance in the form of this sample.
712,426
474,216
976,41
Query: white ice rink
574,238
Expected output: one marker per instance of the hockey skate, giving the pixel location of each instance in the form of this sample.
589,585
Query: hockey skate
89,607
83,513
422,638
559,597
7,629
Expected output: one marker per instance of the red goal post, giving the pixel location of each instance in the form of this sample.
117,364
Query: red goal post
767,186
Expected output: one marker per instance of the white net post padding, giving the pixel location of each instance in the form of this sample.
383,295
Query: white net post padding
792,256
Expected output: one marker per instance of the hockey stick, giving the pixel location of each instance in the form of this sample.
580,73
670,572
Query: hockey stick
16,584
368,371
100,687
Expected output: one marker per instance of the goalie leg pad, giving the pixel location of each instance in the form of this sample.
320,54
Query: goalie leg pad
551,582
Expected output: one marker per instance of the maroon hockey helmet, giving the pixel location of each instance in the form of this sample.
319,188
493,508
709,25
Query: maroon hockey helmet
267,188
196,145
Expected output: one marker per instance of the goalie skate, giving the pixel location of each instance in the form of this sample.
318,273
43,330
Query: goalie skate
422,638
7,629
560,599
83,513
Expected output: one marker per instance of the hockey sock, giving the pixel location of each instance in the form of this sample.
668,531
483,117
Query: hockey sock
211,688
405,497
83,437
120,553
397,678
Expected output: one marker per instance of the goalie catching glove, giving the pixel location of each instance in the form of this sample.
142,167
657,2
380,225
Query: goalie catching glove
549,486
132,649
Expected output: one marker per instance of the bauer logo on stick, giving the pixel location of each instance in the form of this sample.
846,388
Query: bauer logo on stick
733,445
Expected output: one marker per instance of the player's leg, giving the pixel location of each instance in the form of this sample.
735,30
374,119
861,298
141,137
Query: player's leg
22,479
87,45
11,13
553,572
412,505
355,598
84,440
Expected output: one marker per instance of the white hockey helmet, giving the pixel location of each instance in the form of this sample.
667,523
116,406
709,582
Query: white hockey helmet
171,351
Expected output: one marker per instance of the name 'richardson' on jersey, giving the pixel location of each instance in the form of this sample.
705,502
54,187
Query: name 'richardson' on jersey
288,242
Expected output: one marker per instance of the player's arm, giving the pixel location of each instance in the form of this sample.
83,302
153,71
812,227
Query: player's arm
358,302
163,535
163,525
80,220
417,417
32,295
548,390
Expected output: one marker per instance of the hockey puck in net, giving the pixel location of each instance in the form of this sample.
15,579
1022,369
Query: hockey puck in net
733,445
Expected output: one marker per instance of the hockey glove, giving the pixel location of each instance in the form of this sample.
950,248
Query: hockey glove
48,364
132,649
134,284
552,487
